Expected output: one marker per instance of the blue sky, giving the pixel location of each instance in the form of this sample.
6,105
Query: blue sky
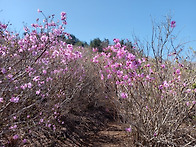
88,19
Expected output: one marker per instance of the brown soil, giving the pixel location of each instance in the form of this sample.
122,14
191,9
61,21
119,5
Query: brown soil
113,135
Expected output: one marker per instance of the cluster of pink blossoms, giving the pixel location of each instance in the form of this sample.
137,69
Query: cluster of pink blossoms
30,70
173,24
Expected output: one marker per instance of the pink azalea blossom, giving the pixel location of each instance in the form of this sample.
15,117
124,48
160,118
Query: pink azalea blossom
178,71
9,76
188,90
29,85
15,137
23,87
128,129
1,100
173,24
38,92
37,78
148,65
102,77
123,95
14,99
109,76
116,40
39,11
44,71
163,66
63,18
41,120
125,77
165,84
155,134
24,141
3,70
160,86
63,13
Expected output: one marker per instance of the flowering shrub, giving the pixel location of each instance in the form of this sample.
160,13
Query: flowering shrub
156,98
47,85
29,69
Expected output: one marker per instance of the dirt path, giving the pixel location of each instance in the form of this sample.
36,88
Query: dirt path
114,136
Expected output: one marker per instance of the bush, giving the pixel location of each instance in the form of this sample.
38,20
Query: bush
156,95
47,85
96,43
53,94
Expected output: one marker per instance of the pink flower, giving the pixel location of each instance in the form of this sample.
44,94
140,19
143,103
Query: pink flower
118,45
123,95
44,38
29,85
125,77
9,76
24,141
39,11
63,18
38,92
155,134
23,87
116,40
102,77
160,86
70,46
44,71
151,71
63,13
184,84
131,57
95,50
117,83
14,99
128,129
15,137
188,90
1,100
41,120
3,26
148,65
173,24
37,78
3,70
119,72
163,66
13,127
178,71
165,84
54,128
109,76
